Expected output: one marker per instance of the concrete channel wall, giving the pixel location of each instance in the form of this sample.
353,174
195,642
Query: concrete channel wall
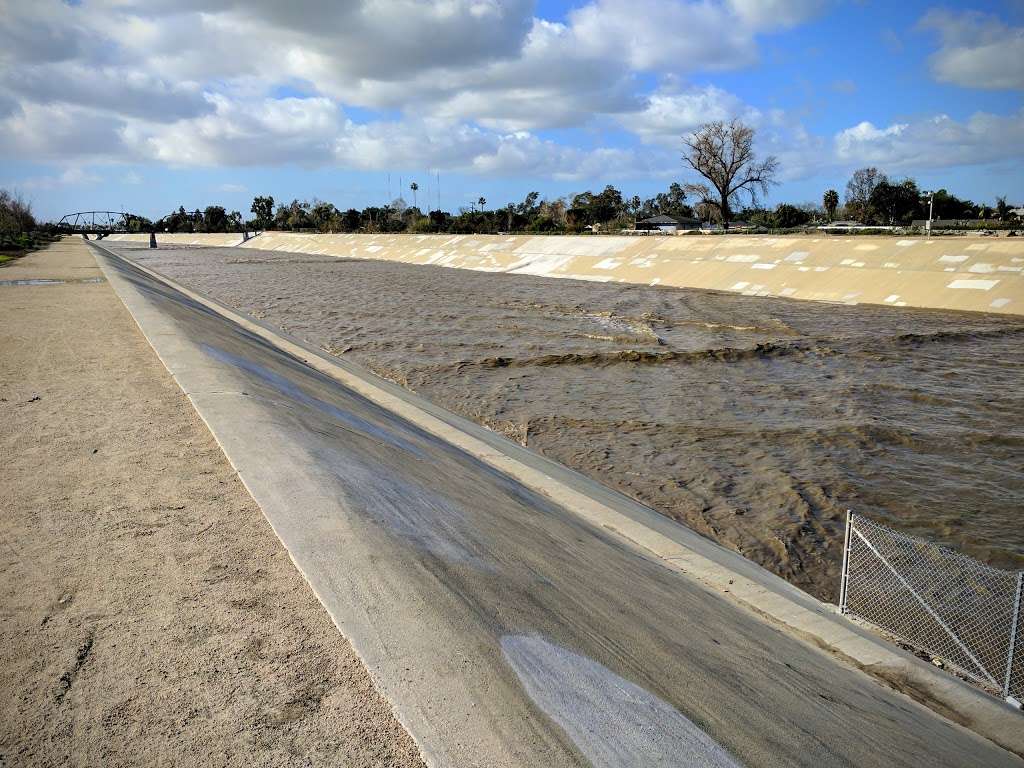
208,239
969,273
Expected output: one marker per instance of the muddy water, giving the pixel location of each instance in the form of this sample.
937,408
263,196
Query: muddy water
755,421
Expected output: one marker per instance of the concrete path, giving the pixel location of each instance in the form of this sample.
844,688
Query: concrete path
505,629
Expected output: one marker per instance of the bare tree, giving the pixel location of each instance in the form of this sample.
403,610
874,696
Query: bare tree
723,153
859,190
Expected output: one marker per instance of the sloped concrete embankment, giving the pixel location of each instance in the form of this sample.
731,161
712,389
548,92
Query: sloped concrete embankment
208,239
981,274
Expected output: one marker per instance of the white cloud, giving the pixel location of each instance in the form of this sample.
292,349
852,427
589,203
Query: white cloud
667,117
663,34
71,177
934,142
61,133
123,90
189,83
978,50
771,14
463,85
241,132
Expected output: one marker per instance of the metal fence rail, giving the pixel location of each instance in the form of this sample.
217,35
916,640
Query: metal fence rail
950,605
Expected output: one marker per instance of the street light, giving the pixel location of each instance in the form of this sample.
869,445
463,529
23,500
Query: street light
931,201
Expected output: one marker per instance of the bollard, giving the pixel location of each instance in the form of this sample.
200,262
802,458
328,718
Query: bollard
152,239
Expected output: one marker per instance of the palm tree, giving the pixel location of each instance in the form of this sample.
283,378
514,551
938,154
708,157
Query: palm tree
414,186
831,201
481,202
1002,209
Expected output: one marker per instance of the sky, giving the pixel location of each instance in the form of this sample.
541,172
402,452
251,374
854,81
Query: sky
145,105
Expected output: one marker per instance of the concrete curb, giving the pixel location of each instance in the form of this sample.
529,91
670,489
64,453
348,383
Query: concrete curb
676,547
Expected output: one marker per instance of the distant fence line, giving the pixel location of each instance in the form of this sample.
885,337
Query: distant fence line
938,600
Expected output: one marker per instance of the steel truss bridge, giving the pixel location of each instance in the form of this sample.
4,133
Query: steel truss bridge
99,223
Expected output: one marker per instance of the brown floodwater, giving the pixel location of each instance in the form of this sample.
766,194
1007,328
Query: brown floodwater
756,421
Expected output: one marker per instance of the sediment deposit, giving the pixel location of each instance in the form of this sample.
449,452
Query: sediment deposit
756,421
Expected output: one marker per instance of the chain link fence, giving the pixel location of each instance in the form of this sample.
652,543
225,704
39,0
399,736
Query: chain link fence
952,606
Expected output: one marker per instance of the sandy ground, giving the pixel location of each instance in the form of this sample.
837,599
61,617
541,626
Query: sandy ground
756,421
148,613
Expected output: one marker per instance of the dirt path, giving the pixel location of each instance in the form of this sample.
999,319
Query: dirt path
148,613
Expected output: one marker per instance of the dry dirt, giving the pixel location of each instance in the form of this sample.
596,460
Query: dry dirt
757,422
148,613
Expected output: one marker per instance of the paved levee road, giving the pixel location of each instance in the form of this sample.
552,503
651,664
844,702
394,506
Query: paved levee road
506,630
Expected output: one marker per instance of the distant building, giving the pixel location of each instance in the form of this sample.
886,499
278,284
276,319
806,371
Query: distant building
667,223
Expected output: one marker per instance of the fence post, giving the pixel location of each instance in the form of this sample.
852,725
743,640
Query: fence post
1013,636
846,563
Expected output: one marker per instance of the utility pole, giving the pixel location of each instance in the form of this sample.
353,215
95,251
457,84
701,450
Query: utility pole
931,202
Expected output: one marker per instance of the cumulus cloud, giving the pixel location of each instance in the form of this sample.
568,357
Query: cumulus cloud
669,116
122,90
62,132
464,85
934,142
977,51
678,36
770,14
190,82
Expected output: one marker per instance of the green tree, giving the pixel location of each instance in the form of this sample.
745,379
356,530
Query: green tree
350,220
723,153
15,214
215,219
831,202
786,216
294,216
415,187
1002,209
895,203
263,209
948,206
528,206
324,216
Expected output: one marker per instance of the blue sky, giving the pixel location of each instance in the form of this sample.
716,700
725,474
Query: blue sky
149,105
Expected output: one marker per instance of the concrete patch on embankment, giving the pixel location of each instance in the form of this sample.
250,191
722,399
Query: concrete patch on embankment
981,274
